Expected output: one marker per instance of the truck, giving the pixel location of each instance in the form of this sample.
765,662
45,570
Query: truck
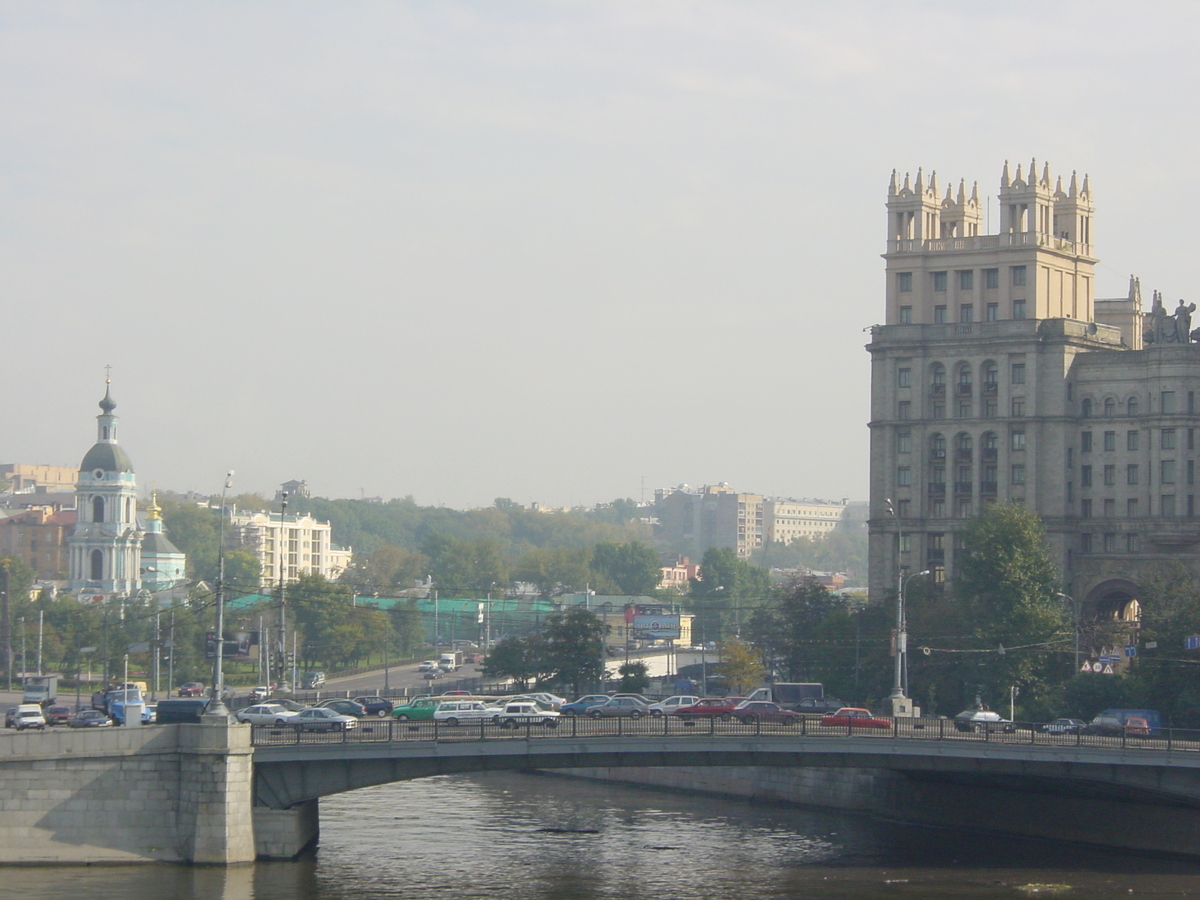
450,662
789,693
41,689
124,705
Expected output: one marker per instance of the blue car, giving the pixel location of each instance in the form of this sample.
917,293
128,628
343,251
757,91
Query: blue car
583,704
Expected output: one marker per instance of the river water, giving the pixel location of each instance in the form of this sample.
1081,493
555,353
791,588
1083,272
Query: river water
546,837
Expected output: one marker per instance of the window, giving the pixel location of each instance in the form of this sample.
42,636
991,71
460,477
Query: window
1110,543
966,280
1191,438
904,377
1085,476
905,543
1085,408
939,410
904,281
1110,509
1167,403
1085,509
966,313
939,315
906,315
1110,407
1018,407
1191,471
1132,406
937,509
1085,543
990,376
939,281
1167,439
903,508
963,409
993,312
991,279
1110,475
904,476
1131,474
1085,442
1166,474
1131,543
1018,474
1018,275
904,409
1131,508
1018,309
989,407
1018,373
1018,440
904,442
1110,440
1131,440
1166,506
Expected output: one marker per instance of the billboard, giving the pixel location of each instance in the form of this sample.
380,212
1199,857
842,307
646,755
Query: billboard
646,628
238,645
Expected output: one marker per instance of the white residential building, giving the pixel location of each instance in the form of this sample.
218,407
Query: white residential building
289,546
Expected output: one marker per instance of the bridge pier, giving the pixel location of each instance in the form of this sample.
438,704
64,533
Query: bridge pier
285,833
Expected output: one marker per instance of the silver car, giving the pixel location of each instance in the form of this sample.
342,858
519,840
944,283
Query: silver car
630,707
321,719
266,714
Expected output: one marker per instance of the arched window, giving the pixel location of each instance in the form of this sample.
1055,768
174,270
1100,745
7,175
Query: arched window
128,510
937,447
97,509
1086,408
1110,407
1132,406
97,563
991,376
964,374
963,442
989,441
937,378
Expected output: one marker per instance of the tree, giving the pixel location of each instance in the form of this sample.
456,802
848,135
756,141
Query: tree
565,652
196,531
555,569
634,677
634,569
727,590
465,568
741,666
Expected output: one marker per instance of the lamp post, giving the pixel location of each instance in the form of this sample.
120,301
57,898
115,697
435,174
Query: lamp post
216,704
1075,613
899,685
282,582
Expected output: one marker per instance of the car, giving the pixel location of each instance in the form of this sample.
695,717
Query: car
975,719
628,707
455,711
1135,726
57,715
583,704
430,665
526,712
10,716
855,717
711,708
318,718
150,714
549,701
672,704
456,694
312,680
191,689
89,718
754,711
818,706
1109,726
265,714
380,707
1064,726
431,674
262,692
29,717
472,658
345,707
289,705
416,710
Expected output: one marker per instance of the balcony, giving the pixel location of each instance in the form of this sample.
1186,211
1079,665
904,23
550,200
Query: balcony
962,390
935,556
937,453
962,455
990,453
937,390
987,488
990,388
962,488
937,489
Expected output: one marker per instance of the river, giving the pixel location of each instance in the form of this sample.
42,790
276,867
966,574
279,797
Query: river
546,837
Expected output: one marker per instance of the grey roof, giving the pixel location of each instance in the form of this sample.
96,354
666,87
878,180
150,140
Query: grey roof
109,457
156,543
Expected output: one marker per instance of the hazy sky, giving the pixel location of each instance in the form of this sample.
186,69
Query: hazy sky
548,251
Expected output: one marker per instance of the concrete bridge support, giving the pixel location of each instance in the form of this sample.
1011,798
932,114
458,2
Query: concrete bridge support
173,792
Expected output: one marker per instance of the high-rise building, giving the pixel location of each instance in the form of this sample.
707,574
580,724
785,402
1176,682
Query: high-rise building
998,376
288,546
712,516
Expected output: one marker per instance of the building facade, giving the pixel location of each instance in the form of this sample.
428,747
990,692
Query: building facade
39,537
712,516
289,546
999,377
787,519
26,477
163,564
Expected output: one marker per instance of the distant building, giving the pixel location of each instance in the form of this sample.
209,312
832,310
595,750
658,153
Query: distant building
163,564
678,573
788,519
293,489
38,537
290,546
712,516
24,477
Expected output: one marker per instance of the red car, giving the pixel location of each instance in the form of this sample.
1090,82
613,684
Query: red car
754,711
58,715
850,717
191,689
710,707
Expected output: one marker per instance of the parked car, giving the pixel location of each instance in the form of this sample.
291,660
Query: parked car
1109,726
29,716
818,706
583,704
526,712
629,707
1135,726
417,709
191,689
456,694
57,715
975,719
265,714
1065,726
672,704
854,717
754,711
313,680
10,716
549,701
455,712
380,707
150,714
321,719
710,707
89,718
345,707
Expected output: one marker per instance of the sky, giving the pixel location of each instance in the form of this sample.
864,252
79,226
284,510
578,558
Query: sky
560,252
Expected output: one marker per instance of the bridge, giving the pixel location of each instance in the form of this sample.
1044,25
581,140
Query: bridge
219,793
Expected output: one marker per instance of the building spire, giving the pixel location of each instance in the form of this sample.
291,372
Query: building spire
892,185
1005,181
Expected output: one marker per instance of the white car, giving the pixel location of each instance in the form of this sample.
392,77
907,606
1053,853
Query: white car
430,665
526,712
266,714
455,712
667,707
319,718
548,701
29,717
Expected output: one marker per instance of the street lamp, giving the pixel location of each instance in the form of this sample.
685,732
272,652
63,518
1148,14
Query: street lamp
899,685
1075,611
216,704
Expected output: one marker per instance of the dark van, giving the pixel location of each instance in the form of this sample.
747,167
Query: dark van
176,711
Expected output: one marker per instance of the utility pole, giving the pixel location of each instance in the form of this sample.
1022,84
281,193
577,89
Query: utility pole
6,626
283,546
41,627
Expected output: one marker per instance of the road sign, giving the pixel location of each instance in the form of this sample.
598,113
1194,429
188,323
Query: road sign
1192,642
1130,650
1108,670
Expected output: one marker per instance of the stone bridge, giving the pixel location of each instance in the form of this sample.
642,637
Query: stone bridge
220,794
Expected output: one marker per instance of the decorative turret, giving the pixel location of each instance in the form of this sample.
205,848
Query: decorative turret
1026,207
1073,215
914,213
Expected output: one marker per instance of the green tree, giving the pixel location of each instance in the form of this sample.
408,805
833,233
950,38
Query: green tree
465,568
553,570
634,677
196,531
727,592
741,666
634,569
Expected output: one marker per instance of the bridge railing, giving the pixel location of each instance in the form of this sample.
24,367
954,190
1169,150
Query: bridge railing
371,731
